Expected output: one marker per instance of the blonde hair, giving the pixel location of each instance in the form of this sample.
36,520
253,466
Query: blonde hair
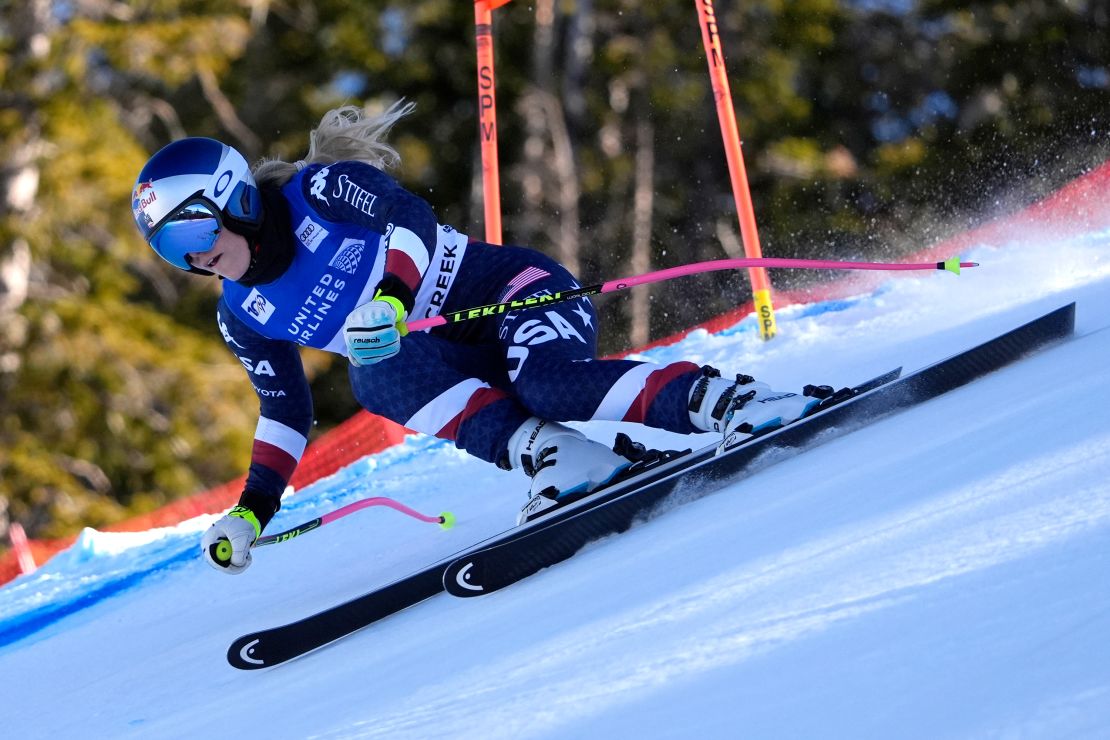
344,134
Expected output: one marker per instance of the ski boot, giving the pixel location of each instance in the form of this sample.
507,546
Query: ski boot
744,408
563,463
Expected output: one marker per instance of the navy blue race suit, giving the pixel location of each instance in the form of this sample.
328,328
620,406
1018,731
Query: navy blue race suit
473,382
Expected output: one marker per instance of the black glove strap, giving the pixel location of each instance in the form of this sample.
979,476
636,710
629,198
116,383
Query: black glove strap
263,505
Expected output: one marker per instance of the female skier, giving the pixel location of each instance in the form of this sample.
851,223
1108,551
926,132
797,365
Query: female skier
330,252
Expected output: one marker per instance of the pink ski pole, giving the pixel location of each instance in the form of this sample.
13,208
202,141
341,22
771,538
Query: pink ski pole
221,550
951,265
446,520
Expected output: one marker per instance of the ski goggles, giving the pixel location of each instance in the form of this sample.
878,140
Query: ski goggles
192,228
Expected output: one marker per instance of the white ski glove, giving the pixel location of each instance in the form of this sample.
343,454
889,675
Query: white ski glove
373,331
226,545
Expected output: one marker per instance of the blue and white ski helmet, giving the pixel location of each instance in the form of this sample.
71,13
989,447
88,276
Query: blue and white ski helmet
197,171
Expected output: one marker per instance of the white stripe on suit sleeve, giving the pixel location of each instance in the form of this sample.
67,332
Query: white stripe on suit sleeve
280,436
408,242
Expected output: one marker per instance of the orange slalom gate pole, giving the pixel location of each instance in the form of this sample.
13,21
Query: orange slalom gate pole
22,548
722,94
487,117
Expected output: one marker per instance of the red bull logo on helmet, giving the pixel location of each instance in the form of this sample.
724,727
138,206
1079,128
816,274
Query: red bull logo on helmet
143,196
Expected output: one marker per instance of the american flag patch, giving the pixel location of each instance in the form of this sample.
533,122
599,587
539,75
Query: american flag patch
521,281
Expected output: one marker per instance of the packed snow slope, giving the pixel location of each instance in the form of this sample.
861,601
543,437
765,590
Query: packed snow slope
944,572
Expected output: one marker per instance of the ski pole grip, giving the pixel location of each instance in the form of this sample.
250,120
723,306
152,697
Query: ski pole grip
220,552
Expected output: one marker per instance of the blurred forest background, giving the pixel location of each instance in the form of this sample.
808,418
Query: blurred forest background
871,129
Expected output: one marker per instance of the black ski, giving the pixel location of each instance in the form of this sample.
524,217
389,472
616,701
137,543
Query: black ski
559,535
503,563
270,647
